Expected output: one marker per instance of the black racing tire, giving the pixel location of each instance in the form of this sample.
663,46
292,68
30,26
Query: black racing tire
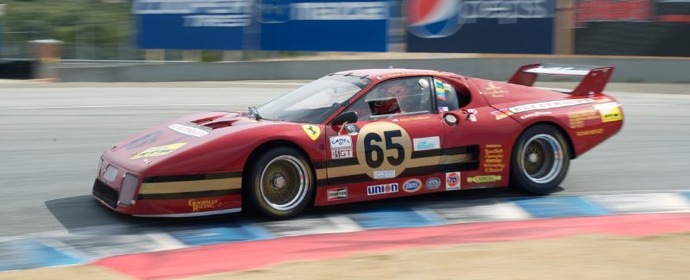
280,183
540,160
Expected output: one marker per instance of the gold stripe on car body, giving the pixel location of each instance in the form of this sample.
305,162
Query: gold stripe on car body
191,186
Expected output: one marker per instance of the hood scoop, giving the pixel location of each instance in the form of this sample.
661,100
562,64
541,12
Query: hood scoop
218,121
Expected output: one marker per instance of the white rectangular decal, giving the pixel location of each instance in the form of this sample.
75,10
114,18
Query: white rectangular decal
337,194
188,130
341,142
427,143
382,189
341,153
384,174
550,104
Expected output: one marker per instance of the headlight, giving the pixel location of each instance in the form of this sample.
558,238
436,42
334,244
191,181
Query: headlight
110,173
129,187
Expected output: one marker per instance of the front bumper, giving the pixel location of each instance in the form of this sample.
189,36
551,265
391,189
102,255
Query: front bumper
130,193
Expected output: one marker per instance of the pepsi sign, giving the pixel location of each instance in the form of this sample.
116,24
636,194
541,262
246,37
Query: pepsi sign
499,26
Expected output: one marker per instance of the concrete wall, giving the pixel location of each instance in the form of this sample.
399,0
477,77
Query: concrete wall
660,70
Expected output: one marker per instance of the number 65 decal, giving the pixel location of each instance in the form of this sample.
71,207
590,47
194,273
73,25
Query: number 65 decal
383,146
374,151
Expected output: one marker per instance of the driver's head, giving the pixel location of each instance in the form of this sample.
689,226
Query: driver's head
396,90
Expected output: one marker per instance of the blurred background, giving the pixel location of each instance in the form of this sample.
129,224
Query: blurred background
239,30
126,29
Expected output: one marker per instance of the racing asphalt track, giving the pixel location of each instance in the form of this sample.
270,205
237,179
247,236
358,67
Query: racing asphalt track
51,136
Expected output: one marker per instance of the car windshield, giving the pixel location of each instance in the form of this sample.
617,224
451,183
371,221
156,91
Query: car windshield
315,101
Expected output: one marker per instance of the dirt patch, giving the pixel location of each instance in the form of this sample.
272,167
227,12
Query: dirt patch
580,257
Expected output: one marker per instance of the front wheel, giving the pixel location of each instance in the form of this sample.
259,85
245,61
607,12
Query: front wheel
540,160
281,183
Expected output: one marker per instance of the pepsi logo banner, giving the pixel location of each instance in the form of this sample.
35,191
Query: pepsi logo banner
485,26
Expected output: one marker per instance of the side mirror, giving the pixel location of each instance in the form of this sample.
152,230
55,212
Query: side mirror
345,117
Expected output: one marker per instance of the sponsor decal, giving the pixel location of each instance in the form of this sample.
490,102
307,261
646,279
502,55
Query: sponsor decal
493,158
494,91
580,118
610,112
484,179
433,183
549,105
453,181
384,174
412,185
143,140
340,142
506,112
203,204
535,114
590,132
382,189
440,90
415,118
443,18
427,143
188,130
312,131
337,194
157,151
341,153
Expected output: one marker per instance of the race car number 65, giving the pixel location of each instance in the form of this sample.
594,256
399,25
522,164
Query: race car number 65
374,153
383,146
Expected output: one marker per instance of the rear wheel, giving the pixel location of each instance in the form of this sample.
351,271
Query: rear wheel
540,160
281,183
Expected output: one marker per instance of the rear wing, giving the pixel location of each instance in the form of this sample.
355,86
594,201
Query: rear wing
594,81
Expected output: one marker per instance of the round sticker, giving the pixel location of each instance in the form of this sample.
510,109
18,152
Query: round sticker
382,149
412,185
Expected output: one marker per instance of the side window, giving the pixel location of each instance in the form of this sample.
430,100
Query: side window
404,96
446,96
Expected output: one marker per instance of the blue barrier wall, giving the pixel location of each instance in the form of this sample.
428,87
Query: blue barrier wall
289,25
192,25
318,25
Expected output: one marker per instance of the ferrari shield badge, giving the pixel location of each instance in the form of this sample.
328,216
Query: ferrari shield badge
312,131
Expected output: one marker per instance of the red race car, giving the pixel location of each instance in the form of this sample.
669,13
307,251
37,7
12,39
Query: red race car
362,135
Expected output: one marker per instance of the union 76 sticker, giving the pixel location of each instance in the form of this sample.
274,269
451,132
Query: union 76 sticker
453,182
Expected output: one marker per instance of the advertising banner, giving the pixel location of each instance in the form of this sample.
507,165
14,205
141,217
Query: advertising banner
285,25
192,24
324,25
480,26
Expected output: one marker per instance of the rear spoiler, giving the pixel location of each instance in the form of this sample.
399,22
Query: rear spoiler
594,81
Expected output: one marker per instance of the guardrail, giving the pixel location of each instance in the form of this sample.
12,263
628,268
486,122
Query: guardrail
496,67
